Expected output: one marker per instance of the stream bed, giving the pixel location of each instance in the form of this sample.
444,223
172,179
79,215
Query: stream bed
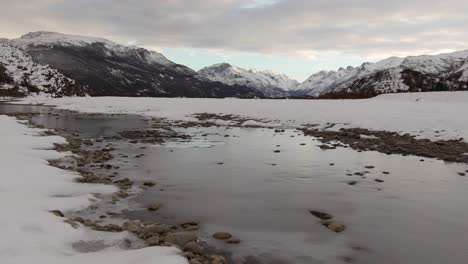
259,185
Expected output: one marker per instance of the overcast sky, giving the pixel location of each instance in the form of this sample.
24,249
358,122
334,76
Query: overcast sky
295,37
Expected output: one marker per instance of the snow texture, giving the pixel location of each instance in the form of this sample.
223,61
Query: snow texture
24,71
29,188
434,115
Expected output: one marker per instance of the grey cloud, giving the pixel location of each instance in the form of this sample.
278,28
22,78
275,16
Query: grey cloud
361,27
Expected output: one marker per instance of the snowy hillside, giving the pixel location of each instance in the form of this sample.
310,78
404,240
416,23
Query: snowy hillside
51,39
444,72
269,83
22,75
108,68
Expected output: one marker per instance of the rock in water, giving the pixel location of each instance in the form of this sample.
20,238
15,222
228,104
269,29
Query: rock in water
154,206
193,247
222,235
181,239
321,215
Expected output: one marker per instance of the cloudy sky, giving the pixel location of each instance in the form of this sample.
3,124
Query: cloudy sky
295,37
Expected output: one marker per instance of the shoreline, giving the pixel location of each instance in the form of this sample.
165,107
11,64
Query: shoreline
85,160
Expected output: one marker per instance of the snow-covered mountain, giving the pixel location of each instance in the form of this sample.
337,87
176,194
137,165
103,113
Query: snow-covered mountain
269,83
105,68
443,72
20,75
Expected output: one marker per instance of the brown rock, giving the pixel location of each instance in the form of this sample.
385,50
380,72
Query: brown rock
222,235
153,241
153,230
333,226
233,241
131,227
154,206
57,213
321,215
193,247
181,238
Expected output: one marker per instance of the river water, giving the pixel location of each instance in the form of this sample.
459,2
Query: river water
231,179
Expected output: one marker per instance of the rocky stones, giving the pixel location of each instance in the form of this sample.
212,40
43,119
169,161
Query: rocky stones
152,230
107,228
277,151
369,167
124,183
215,259
352,183
392,143
181,239
233,241
378,180
328,222
385,172
333,226
462,174
325,147
193,247
154,206
72,223
131,227
321,215
57,213
153,241
222,235
149,183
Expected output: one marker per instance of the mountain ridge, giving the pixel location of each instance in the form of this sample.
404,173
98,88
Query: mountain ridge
269,83
105,68
63,64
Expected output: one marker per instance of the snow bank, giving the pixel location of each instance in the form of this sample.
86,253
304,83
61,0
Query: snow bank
436,115
29,188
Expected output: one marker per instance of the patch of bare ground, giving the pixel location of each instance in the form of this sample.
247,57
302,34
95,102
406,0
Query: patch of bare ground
391,143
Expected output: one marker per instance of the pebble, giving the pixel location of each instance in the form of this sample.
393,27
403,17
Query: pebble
222,235
154,206
321,215
379,180
149,183
57,213
153,241
333,226
233,241
181,239
193,247
352,182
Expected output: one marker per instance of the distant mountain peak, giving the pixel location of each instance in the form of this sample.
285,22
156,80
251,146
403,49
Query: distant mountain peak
394,74
269,83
